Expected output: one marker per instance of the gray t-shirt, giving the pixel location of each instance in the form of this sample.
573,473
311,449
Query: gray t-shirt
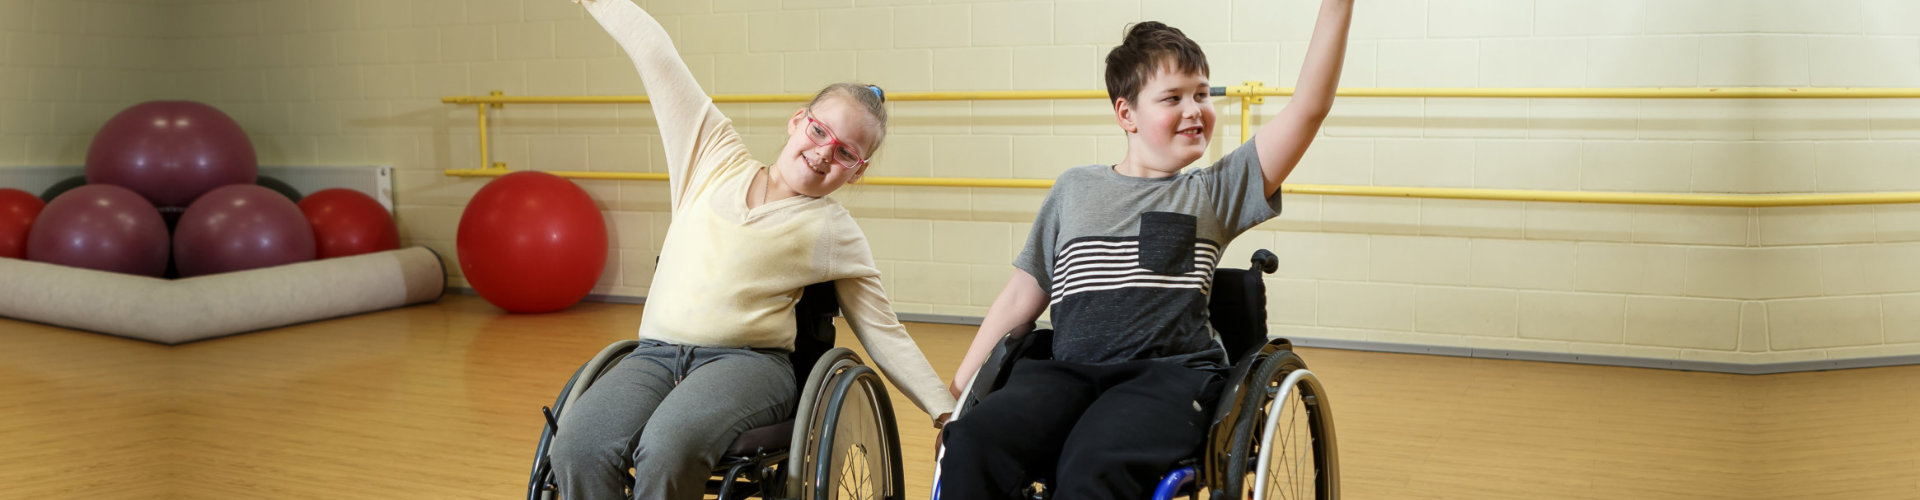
1129,261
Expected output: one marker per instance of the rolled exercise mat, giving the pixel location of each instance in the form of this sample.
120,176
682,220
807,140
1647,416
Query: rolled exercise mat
177,311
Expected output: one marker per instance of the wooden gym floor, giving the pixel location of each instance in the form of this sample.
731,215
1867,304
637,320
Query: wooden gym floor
442,401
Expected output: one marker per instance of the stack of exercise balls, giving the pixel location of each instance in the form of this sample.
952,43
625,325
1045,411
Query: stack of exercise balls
177,179
177,182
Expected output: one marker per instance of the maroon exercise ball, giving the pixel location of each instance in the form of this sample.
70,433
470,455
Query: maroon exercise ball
171,152
532,242
17,211
347,222
240,227
101,227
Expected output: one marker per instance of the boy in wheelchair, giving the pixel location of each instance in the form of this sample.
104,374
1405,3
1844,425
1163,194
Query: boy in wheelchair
1125,256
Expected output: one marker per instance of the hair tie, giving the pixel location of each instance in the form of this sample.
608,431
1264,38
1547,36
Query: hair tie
877,92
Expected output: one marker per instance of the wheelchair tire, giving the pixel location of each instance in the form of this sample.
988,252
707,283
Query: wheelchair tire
1275,459
541,478
856,453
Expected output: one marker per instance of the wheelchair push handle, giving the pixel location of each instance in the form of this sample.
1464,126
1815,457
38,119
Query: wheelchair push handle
1265,261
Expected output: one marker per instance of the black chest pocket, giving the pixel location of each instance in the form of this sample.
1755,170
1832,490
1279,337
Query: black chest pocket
1166,242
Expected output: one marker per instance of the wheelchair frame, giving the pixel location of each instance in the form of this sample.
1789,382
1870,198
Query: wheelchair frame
834,377
1264,371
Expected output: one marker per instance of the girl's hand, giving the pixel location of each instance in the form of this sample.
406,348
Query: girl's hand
940,435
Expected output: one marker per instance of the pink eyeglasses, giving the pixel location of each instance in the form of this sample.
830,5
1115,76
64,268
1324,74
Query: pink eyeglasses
843,153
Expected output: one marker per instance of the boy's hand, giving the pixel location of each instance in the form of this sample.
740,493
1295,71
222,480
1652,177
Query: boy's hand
583,2
940,432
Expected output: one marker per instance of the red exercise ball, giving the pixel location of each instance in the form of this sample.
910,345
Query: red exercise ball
101,227
240,227
17,210
347,222
171,152
532,242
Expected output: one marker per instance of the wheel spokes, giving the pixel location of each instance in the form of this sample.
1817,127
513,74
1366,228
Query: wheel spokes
1294,449
856,473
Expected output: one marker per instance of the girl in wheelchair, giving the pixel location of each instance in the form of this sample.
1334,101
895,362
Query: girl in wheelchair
746,238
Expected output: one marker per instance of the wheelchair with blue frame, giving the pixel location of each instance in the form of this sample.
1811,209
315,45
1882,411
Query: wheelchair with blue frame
841,442
1271,434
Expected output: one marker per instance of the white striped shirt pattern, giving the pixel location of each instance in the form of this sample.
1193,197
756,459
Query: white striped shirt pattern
1092,265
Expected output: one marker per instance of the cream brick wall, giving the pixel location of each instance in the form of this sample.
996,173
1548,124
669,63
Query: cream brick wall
68,65
357,81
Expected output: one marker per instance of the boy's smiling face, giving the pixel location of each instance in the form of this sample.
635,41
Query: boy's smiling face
1169,123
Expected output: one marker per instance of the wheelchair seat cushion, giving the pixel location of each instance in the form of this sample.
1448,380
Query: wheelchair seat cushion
770,437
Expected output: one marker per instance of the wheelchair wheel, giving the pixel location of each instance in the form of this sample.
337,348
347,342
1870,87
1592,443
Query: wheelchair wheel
807,417
1297,451
540,485
855,451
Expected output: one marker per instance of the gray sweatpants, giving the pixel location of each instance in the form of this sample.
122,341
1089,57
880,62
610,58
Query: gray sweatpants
669,411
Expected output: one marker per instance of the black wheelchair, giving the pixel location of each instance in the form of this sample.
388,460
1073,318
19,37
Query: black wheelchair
841,443
1256,447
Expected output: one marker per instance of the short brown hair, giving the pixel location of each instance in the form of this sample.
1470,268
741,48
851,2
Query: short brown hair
1148,46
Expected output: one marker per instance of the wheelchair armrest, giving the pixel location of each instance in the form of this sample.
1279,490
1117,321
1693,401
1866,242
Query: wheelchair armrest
1239,385
1232,393
1022,342
1238,405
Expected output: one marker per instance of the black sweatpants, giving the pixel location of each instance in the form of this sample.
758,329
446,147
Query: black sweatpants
1095,431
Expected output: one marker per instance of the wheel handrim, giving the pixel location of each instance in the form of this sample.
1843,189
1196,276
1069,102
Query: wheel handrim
859,448
1287,468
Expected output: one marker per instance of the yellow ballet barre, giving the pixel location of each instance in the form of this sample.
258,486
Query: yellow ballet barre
1674,199
498,99
1254,89
1251,93
867,181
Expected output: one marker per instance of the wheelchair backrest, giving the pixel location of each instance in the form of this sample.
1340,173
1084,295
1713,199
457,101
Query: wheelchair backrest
1238,311
813,327
1238,306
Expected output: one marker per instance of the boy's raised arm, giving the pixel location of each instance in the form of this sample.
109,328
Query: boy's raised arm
1282,142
